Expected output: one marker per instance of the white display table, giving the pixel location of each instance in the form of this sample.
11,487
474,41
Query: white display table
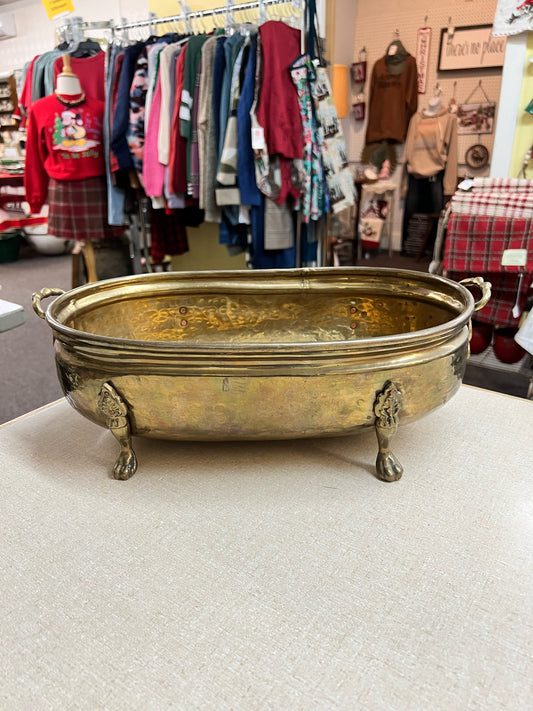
260,576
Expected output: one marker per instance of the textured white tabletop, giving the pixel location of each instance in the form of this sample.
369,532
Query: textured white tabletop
270,576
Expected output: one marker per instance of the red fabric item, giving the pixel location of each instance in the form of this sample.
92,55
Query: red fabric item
64,143
177,159
474,247
278,112
476,243
499,310
78,209
24,100
168,235
90,71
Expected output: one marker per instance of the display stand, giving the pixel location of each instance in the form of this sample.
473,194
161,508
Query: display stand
83,260
386,190
485,370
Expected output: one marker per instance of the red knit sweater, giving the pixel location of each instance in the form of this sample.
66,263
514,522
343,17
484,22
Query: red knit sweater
63,142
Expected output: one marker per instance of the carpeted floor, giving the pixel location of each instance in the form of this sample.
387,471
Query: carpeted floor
29,375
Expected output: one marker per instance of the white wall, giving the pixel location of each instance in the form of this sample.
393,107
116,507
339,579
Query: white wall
35,32
513,75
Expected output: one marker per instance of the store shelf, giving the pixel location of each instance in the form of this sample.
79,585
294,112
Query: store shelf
486,371
8,94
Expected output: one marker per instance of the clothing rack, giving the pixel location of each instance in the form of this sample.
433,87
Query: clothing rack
190,18
75,30
227,10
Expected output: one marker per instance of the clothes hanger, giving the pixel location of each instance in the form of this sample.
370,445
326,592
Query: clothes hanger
86,48
396,45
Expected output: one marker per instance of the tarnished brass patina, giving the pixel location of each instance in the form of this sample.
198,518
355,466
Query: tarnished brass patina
261,354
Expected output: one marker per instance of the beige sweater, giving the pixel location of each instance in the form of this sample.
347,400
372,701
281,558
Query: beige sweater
431,146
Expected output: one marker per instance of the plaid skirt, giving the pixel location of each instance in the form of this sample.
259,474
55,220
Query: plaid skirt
77,209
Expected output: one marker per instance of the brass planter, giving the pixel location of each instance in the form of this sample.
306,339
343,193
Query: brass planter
260,354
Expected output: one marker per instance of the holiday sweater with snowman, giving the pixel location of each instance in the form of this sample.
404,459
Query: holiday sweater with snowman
64,142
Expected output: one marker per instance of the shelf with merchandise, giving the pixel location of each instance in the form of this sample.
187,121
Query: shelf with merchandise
8,103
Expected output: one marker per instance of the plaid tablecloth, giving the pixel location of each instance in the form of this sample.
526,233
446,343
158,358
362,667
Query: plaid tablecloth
513,185
492,203
474,247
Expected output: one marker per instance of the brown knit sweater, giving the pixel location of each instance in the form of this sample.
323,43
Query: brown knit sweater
393,100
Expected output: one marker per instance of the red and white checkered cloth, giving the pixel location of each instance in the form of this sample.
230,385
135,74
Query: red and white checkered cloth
494,204
477,242
474,247
512,185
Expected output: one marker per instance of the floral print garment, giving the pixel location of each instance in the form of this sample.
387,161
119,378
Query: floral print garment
135,135
310,174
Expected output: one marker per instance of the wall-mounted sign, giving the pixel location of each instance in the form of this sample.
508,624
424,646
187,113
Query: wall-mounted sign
423,42
58,8
470,48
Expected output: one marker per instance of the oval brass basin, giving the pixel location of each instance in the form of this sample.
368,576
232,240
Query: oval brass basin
267,354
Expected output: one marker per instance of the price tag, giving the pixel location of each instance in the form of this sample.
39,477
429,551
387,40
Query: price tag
466,184
258,138
514,258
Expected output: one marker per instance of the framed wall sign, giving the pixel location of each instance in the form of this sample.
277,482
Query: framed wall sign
475,118
470,48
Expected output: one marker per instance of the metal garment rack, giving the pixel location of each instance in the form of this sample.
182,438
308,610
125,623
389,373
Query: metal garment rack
76,29
192,19
188,17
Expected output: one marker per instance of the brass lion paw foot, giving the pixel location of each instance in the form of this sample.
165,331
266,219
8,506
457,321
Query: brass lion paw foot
388,468
126,465
386,409
115,412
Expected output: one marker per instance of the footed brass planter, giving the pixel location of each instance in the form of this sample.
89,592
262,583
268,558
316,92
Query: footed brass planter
261,354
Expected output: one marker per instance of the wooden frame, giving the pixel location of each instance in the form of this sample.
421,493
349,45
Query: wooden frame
471,47
476,118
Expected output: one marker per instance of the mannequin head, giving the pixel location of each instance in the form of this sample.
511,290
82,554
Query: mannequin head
67,83
434,105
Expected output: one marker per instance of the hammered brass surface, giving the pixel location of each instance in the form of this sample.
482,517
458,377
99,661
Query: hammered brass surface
251,318
259,355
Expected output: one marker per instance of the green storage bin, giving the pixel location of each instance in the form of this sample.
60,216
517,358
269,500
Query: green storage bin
9,246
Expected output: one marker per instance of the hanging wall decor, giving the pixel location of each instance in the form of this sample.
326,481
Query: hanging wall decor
358,109
475,118
358,69
423,44
477,156
358,74
470,48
